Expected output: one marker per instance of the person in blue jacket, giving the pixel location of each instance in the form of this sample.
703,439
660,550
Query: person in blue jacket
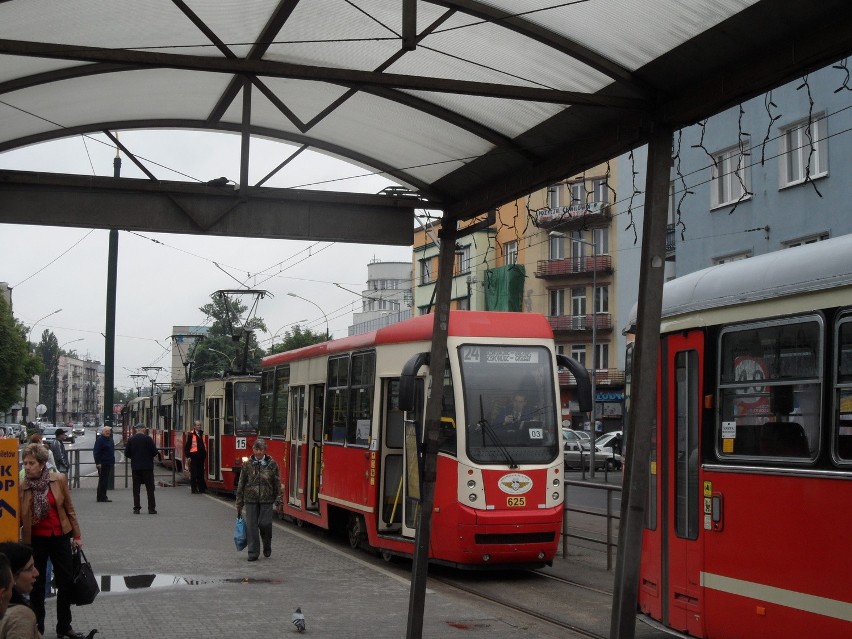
104,454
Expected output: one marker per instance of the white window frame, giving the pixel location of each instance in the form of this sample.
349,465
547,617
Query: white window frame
795,149
426,271
557,247
600,190
725,187
578,352
578,302
600,238
578,193
556,302
510,250
602,299
601,356
810,239
463,260
733,257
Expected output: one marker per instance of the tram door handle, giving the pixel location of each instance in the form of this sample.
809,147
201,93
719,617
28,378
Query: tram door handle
717,512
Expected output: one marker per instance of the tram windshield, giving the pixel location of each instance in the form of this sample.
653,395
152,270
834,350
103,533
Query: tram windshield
246,407
509,404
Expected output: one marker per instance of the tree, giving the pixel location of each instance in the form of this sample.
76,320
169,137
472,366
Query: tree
121,397
17,365
47,351
231,339
297,338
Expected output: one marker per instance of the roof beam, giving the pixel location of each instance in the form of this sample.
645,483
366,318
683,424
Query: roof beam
180,207
346,77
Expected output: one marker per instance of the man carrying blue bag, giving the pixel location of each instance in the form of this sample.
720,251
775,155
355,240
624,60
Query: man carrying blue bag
240,540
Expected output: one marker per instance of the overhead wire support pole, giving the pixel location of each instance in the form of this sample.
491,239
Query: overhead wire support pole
438,361
643,407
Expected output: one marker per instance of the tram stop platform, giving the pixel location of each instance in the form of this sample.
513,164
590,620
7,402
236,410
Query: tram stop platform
177,573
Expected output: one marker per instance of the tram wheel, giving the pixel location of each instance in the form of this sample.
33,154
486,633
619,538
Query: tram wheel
355,530
301,523
389,557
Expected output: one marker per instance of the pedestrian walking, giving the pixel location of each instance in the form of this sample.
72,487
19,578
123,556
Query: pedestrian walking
195,451
60,456
141,450
257,491
49,524
104,454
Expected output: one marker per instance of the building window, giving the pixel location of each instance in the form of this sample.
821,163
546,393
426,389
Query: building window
601,357
732,258
557,247
578,352
602,299
510,250
730,176
578,301
804,151
426,271
463,304
557,302
463,260
600,238
807,240
601,190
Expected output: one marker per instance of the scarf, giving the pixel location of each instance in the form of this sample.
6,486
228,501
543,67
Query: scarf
260,462
39,489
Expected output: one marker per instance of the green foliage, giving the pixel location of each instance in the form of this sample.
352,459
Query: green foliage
17,365
297,338
224,348
121,397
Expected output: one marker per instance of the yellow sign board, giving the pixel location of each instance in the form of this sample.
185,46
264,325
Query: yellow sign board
9,517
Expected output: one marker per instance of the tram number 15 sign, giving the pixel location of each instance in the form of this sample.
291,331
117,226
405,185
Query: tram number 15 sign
9,525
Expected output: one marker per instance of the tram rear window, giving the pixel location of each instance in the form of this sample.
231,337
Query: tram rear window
769,387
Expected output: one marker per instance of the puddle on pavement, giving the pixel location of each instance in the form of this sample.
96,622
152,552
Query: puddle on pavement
126,583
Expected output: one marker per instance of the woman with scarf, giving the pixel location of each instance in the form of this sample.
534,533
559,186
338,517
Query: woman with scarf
49,525
259,487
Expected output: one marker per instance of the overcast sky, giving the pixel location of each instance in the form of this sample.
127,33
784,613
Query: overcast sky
164,279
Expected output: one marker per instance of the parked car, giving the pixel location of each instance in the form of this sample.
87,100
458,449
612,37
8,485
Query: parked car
613,451
78,429
49,434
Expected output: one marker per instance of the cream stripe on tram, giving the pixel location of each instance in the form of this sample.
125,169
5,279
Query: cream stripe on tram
780,596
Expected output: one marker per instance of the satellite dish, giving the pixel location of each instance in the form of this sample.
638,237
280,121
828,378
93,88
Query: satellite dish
41,409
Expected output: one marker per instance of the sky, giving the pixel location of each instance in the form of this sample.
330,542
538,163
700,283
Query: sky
163,279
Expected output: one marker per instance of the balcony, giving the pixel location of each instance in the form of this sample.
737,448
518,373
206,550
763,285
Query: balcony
582,323
574,216
604,377
574,266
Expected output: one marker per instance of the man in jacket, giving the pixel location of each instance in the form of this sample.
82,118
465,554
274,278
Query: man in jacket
257,491
57,447
195,451
104,454
141,450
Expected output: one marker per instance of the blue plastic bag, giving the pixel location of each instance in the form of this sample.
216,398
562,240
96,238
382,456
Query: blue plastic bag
240,540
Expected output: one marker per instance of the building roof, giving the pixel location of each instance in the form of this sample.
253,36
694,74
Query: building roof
469,103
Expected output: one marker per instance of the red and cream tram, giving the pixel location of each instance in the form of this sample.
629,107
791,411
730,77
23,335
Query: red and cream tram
332,413
751,470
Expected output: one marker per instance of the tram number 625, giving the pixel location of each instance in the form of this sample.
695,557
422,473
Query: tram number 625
516,502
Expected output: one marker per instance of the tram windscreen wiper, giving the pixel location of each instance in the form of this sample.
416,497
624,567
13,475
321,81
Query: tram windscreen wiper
487,429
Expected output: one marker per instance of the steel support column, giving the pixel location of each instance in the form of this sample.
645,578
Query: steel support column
643,404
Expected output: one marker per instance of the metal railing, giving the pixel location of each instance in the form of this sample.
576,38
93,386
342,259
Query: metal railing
74,472
608,540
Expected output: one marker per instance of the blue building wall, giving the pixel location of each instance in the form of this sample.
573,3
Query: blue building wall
791,213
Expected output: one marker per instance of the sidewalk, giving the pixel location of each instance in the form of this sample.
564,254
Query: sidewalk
177,573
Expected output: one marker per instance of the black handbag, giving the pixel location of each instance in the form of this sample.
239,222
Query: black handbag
84,587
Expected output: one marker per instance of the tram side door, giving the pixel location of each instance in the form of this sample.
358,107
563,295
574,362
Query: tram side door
392,463
316,397
681,507
298,416
214,433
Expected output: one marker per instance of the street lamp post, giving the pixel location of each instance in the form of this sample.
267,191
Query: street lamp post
26,409
320,310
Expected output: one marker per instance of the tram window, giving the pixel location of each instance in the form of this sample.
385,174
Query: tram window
394,433
770,388
337,399
267,403
282,395
361,398
686,451
843,391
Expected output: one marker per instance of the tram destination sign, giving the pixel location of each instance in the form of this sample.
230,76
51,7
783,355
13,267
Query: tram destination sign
502,355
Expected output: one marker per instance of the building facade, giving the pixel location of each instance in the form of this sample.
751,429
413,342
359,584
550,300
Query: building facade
79,394
387,299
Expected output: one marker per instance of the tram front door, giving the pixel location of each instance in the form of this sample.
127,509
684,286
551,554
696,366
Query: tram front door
670,588
298,417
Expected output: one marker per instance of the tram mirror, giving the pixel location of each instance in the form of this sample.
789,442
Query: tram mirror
781,399
408,378
584,382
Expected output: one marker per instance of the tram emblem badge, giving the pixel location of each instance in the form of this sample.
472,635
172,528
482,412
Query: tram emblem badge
515,483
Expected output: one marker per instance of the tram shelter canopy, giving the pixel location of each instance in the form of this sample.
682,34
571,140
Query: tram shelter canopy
469,104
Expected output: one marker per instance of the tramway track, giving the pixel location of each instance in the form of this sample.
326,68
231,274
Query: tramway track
506,603
575,584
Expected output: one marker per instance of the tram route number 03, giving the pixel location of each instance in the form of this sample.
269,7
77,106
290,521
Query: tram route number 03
516,502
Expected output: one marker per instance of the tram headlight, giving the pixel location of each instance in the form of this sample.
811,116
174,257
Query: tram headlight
555,496
471,483
556,481
472,497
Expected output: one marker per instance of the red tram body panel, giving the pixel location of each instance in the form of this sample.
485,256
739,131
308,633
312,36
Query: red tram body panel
751,463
